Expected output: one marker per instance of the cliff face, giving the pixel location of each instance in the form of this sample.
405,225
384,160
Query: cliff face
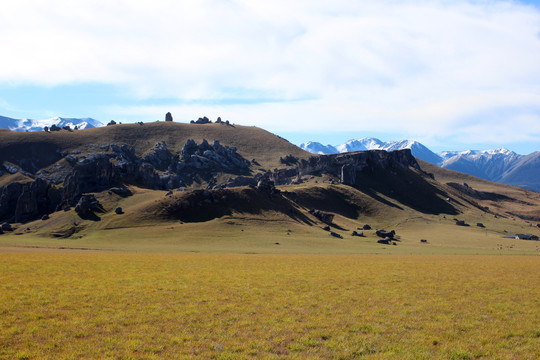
345,166
74,174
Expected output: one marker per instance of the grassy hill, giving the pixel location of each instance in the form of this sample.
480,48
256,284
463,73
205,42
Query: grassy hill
251,142
420,204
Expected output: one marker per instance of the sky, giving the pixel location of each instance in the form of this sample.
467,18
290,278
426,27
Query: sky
454,75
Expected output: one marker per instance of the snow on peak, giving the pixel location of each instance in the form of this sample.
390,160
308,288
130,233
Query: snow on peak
318,148
38,125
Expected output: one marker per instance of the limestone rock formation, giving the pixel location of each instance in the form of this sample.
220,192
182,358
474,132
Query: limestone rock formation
87,203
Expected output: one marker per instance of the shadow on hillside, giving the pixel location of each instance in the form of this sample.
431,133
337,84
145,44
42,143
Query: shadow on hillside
244,201
327,200
404,186
92,216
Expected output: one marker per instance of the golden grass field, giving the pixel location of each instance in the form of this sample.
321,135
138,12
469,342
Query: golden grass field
106,305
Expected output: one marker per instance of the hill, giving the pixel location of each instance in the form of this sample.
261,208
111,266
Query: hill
168,186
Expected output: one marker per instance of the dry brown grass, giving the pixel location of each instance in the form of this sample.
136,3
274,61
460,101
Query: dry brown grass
251,142
131,306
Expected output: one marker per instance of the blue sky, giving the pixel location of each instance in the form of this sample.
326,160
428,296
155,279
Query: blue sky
451,74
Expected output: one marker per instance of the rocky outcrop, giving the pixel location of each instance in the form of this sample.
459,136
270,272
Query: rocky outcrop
385,234
348,174
86,205
159,157
324,217
113,166
108,167
267,186
345,166
24,202
33,201
121,191
201,120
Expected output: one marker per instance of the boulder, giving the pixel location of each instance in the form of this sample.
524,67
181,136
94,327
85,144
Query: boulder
385,234
118,211
121,191
168,117
334,234
288,160
480,225
87,204
461,223
326,228
45,217
322,216
6,227
356,233
266,185
366,227
203,120
384,241
112,122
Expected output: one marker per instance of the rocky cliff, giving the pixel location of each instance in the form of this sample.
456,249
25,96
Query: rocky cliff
61,184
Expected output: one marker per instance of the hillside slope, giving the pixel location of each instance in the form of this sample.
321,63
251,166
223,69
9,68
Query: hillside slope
161,186
251,142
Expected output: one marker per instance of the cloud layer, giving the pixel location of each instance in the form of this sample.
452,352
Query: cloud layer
433,70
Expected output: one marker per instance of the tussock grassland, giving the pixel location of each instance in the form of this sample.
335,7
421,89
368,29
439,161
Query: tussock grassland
251,142
127,306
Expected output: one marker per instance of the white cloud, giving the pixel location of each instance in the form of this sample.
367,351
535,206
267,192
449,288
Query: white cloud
430,68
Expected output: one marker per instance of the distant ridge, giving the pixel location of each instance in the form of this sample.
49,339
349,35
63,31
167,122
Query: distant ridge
499,165
38,125
367,143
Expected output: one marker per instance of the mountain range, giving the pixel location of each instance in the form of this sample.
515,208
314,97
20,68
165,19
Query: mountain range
499,165
38,125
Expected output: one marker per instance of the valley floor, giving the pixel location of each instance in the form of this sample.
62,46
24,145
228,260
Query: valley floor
69,304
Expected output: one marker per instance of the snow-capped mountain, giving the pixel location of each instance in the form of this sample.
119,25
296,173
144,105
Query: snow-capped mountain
38,125
524,172
318,148
499,165
418,150
361,144
487,164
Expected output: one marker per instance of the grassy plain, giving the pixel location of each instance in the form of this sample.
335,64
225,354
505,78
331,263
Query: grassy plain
129,306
